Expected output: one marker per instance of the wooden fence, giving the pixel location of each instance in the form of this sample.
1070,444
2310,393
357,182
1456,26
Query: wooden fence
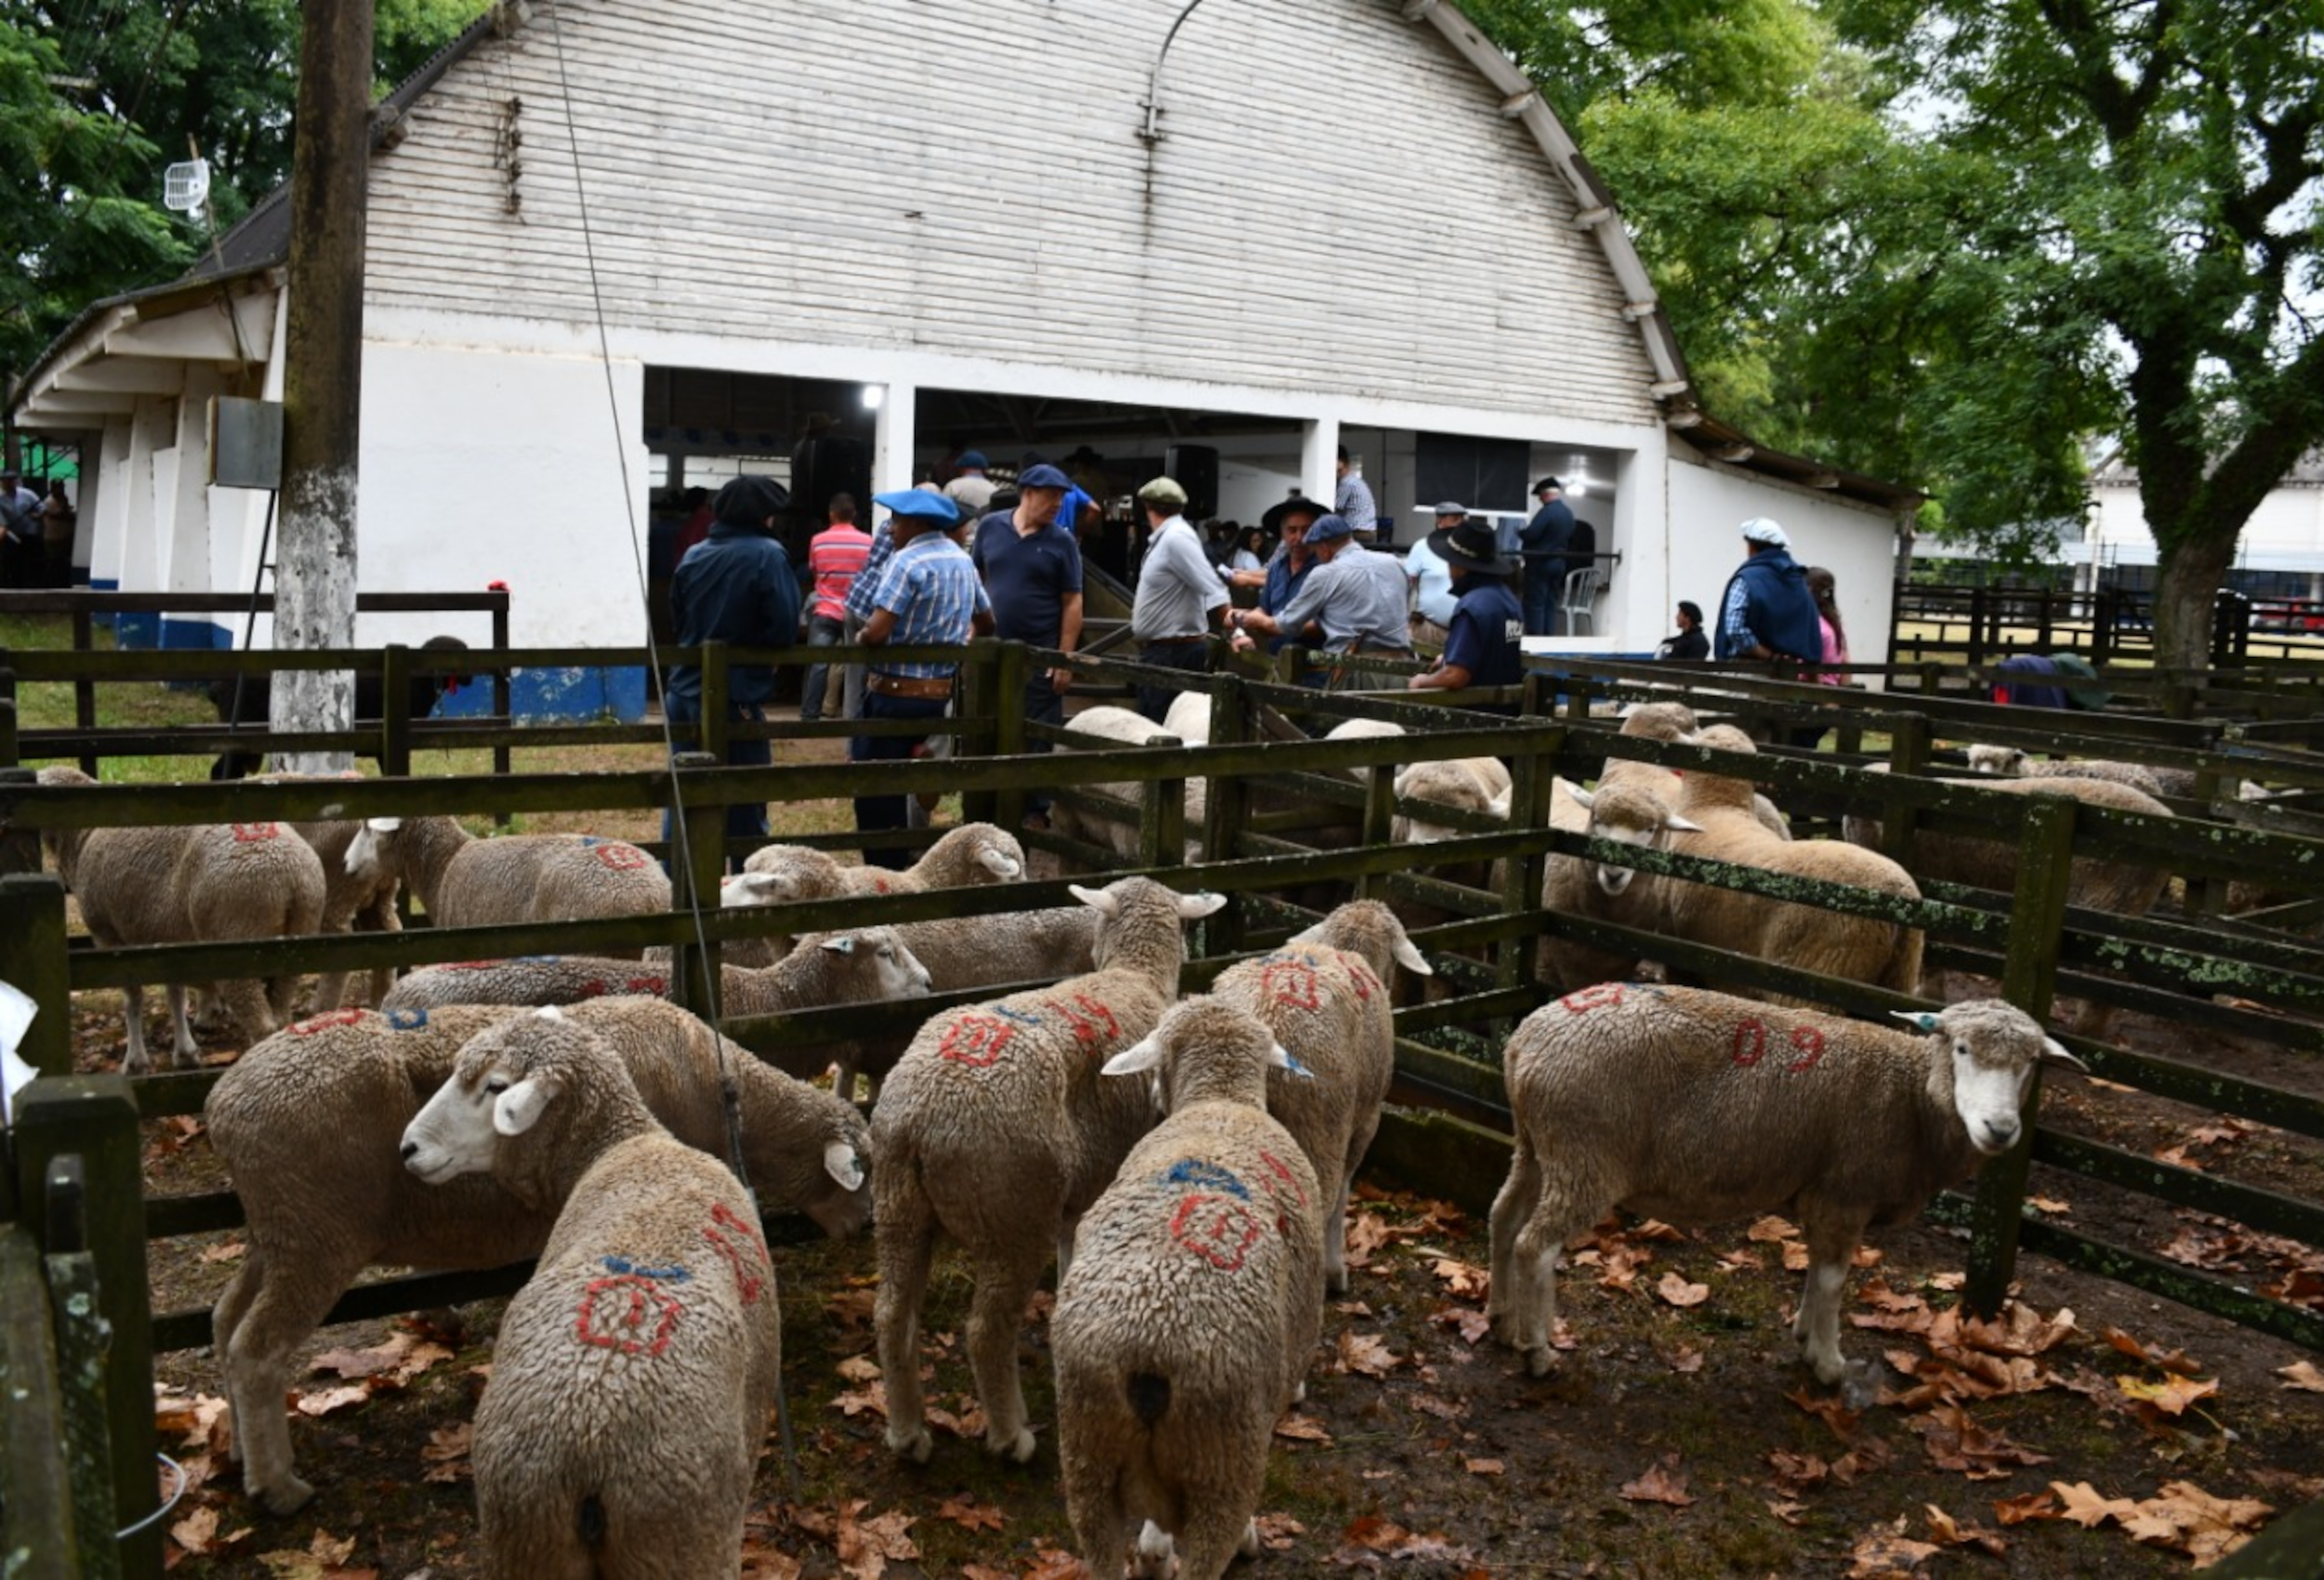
2106,626
1286,817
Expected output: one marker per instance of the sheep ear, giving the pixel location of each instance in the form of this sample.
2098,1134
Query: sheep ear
1683,825
840,943
2054,1054
840,1162
1408,955
1194,907
1131,1061
1919,1019
549,1011
383,825
1312,935
521,1107
1000,863
1498,807
1586,797
1096,898
1280,1057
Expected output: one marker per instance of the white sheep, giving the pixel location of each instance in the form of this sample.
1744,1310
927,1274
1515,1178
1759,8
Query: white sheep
996,1129
2124,888
1696,1107
1468,784
1192,1308
1123,727
782,874
1627,812
633,1373
1323,995
307,1126
2012,762
205,882
465,882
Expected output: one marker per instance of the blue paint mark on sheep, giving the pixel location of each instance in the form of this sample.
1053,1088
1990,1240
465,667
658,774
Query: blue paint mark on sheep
406,1020
674,1273
1194,1171
1021,1017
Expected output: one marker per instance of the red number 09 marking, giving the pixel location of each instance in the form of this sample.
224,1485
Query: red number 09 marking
1810,1043
1751,1043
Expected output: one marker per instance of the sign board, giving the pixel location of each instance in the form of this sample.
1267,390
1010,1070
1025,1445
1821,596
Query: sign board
246,443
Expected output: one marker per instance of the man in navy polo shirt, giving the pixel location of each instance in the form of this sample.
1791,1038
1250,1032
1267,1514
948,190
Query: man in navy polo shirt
1031,564
1480,642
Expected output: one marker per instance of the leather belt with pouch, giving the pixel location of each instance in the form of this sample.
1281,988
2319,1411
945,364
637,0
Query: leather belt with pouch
922,688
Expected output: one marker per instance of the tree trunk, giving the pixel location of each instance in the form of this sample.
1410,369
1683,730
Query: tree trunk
323,371
2188,577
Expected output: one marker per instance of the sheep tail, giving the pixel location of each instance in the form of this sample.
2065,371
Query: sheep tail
1149,1397
590,1523
1903,962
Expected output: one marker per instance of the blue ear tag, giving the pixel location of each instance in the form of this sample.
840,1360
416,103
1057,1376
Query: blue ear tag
1295,1068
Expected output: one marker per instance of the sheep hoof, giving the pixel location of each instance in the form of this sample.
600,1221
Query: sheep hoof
1830,1369
1336,1281
1249,1545
914,1446
1539,1361
1017,1450
287,1497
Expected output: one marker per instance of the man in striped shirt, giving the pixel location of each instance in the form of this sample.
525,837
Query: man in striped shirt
928,593
833,560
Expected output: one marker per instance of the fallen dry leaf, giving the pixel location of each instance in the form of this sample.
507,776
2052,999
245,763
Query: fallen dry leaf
1772,1230
2042,1505
1787,1510
331,1551
859,1369
2172,1396
1302,1429
1797,1472
1050,1564
1367,1354
1463,1281
969,1515
2050,1205
1662,1482
2175,1360
870,1398
2301,1374
1680,1293
325,1401
1955,1441
1277,1531
1888,1551
1483,1466
2083,1505
1948,1532
225,1251
865,1547
1832,1412
447,1453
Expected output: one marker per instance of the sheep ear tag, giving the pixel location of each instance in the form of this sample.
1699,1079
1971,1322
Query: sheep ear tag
1280,1057
843,944
1919,1019
2054,1052
1132,1059
521,1107
840,1163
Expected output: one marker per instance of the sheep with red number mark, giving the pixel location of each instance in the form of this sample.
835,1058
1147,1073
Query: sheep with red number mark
775,875
1323,995
1192,1307
198,883
633,1373
997,1131
466,882
1697,1107
307,1124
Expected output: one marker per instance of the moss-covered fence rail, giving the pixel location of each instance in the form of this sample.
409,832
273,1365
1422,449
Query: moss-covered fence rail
1291,824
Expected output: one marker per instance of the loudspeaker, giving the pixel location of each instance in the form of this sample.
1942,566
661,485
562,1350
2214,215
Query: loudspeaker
1196,468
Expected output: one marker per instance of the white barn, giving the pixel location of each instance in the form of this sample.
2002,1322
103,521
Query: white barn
1000,224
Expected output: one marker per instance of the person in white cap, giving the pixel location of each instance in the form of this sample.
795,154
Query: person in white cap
1767,611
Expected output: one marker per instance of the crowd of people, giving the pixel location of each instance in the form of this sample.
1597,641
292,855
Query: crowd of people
36,532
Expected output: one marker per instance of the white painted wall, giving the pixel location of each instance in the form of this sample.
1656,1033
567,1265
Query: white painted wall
2287,528
1709,503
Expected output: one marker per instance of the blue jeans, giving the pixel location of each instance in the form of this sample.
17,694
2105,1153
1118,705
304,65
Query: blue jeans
823,631
878,813
1043,704
745,820
1545,584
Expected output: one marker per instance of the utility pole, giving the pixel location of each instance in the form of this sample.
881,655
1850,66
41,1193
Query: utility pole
323,370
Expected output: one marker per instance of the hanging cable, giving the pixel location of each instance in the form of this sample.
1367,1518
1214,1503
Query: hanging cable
681,849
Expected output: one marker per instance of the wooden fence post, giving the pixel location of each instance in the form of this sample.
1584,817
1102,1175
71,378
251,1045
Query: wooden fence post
502,706
395,711
19,847
1534,784
1162,822
32,946
39,1523
1380,815
2029,981
1976,625
1007,699
95,1118
83,1345
695,969
9,754
1908,752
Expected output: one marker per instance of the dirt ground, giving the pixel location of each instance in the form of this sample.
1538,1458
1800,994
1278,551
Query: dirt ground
2093,1430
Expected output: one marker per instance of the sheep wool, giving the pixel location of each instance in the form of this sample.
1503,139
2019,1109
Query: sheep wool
1324,997
633,1373
190,884
466,882
307,1124
1191,1310
1696,1107
2125,888
996,1129
2010,762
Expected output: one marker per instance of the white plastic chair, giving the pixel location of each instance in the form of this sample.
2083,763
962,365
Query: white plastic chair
1578,604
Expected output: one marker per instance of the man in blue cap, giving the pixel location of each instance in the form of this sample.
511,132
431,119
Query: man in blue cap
1031,564
927,594
1355,602
736,585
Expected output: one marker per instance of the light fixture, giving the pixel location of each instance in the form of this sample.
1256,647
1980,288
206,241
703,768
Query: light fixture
875,396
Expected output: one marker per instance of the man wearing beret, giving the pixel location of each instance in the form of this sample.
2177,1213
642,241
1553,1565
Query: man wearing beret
736,587
1031,564
1179,595
1355,602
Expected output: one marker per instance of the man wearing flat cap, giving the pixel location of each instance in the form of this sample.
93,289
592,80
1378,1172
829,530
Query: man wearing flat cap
1481,646
1031,564
736,585
1178,598
1767,611
1354,603
1544,540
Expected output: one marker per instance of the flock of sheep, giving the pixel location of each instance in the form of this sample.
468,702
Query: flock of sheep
1186,1160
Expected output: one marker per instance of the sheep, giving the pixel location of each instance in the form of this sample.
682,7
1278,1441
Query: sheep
185,884
359,894
464,882
1362,730
1474,785
1696,1107
622,1440
2121,887
775,874
1573,887
306,1124
1715,818
1189,1315
1324,998
2010,762
996,1129
972,853
1128,729
1675,722
865,965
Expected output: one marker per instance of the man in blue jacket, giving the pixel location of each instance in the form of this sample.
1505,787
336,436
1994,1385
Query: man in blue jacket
736,587
1545,540
1767,611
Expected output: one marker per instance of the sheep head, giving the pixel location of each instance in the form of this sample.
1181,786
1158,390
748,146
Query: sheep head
1205,1050
1624,814
894,970
1659,721
1985,1057
2005,762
